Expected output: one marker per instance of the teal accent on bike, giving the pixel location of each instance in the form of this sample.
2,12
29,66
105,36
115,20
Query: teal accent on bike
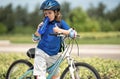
26,73
53,68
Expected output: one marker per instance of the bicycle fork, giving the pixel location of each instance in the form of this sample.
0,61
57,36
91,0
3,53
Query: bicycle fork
73,70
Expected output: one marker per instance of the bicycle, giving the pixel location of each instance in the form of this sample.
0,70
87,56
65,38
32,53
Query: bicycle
74,70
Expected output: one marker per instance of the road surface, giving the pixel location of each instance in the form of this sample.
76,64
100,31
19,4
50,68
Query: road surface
103,51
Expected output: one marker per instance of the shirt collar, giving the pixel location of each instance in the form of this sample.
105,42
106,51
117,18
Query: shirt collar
53,22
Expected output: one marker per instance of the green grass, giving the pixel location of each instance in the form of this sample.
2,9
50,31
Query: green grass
100,41
108,68
85,38
17,38
99,38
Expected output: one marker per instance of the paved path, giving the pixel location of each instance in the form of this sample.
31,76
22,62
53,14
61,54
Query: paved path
104,51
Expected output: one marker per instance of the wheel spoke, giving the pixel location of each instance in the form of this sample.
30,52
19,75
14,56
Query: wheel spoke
82,71
18,69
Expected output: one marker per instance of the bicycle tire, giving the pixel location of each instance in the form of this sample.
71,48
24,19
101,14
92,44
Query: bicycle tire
13,69
81,76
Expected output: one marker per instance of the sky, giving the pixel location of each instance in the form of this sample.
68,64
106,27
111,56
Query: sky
110,4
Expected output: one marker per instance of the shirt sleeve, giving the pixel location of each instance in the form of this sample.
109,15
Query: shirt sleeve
64,25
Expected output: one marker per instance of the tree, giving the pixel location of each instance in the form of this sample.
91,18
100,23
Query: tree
79,20
21,16
8,18
2,15
3,29
117,25
35,17
65,9
96,12
105,25
114,15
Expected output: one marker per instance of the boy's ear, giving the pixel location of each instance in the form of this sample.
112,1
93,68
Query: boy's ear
56,13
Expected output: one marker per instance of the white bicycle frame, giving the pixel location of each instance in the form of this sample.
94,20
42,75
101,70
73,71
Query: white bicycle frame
64,55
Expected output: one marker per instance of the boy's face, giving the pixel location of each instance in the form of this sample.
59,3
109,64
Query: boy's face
50,14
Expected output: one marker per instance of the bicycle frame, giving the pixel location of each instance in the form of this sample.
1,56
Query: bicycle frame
73,70
65,55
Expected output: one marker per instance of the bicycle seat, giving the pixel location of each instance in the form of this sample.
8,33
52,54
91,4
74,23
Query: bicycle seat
31,53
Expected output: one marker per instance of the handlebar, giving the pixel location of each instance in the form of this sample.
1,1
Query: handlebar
62,35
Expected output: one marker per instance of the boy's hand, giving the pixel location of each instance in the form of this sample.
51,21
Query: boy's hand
56,29
35,38
72,33
39,26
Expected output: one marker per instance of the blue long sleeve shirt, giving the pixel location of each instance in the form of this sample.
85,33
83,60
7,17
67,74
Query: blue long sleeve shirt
51,44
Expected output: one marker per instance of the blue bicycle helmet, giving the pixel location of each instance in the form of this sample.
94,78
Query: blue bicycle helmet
50,5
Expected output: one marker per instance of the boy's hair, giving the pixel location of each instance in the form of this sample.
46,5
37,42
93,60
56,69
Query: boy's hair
58,16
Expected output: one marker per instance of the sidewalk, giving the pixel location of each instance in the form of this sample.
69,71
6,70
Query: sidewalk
105,51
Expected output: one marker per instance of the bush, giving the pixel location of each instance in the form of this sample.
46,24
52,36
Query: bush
3,29
105,25
23,30
6,60
117,25
108,68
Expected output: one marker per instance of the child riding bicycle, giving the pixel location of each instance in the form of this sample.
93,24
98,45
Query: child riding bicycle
46,52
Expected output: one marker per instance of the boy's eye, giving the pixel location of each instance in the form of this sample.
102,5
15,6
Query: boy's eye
45,13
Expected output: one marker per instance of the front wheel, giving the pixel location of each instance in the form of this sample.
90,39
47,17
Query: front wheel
82,71
18,68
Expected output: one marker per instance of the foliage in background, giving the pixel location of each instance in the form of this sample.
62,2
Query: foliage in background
79,20
24,30
3,29
108,20
117,25
108,68
95,19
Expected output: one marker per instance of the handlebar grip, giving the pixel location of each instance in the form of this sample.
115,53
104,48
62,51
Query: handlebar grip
53,34
56,34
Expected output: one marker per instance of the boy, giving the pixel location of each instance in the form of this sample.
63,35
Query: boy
48,46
